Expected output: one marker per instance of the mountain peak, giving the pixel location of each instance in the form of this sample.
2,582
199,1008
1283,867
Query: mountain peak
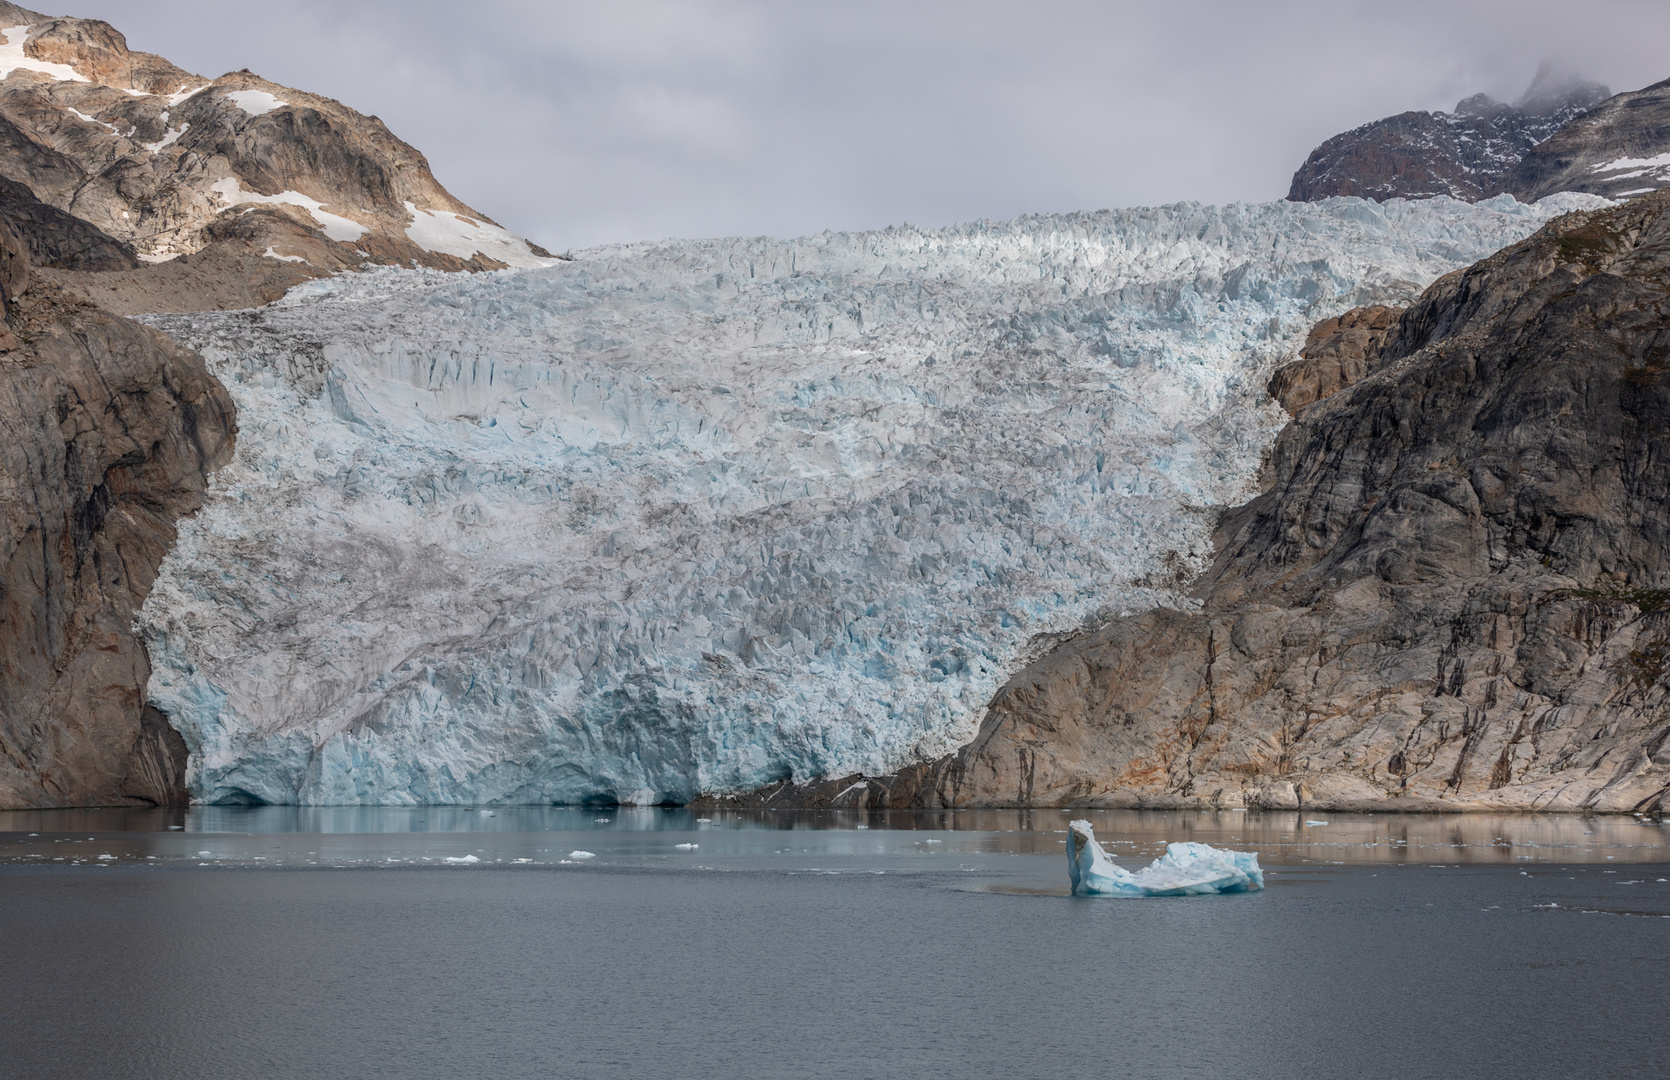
189,192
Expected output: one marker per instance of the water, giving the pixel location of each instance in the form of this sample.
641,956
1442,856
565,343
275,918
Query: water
801,945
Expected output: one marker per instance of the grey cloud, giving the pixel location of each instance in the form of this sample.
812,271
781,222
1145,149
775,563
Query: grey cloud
583,123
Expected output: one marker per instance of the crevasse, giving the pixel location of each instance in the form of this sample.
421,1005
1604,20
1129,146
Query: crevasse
699,515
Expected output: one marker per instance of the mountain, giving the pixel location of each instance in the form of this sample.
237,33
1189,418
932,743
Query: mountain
1465,154
1454,593
1619,148
166,190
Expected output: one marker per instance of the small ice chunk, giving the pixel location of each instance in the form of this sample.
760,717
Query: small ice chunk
487,813
202,854
685,847
107,856
462,859
581,855
1184,870
1316,823
524,860
175,828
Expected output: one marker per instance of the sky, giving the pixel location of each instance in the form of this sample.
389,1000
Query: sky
578,124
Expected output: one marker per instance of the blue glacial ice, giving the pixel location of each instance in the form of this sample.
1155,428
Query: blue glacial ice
700,515
1184,870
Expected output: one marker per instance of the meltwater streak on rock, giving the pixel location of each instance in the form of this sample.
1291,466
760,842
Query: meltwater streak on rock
695,516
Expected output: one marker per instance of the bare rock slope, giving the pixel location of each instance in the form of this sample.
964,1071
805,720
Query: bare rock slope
111,430
1455,593
187,193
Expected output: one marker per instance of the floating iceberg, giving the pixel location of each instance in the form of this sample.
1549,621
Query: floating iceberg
700,515
1184,870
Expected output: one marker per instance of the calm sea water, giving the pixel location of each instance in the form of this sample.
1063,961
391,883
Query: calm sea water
277,942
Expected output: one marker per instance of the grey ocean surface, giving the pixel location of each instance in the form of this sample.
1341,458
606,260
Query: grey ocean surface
339,942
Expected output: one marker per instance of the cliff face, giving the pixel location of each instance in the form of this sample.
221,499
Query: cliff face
1464,154
1456,591
111,430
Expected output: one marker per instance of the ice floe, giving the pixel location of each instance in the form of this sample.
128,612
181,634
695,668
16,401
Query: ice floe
1184,870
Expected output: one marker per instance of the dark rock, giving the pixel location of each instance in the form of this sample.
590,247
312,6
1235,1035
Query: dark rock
59,240
1464,154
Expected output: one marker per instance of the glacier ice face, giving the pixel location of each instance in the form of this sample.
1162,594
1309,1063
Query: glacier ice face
696,516
1184,870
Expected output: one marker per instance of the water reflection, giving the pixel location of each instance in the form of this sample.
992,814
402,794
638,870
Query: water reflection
550,834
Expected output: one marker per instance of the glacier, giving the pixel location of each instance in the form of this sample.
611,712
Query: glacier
695,516
1186,869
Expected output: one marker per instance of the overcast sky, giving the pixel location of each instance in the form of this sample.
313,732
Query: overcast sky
585,123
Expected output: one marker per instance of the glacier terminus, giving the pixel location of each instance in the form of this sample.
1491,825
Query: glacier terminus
695,516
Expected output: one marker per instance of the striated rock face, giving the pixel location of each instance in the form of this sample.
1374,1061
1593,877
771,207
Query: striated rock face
1339,351
1464,154
111,430
265,185
1456,592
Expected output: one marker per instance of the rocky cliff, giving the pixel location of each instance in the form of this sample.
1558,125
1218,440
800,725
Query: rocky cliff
111,432
1454,593
1465,154
187,193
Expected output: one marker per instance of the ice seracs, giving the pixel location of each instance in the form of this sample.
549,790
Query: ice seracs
701,515
1184,870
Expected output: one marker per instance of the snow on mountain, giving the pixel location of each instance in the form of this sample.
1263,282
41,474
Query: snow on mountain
695,516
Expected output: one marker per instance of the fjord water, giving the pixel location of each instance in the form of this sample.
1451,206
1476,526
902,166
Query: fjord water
325,942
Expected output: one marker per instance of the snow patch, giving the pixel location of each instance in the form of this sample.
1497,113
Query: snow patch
254,102
172,137
445,233
271,254
155,257
699,515
1640,164
334,226
12,58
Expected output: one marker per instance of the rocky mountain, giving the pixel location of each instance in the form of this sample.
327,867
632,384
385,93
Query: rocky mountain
111,432
1465,154
1618,149
1455,592
171,191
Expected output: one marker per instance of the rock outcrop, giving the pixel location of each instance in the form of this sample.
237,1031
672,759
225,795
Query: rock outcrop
254,184
1465,154
1337,353
1455,593
111,431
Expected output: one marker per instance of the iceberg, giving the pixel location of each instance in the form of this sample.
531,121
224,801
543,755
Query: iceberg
700,515
1184,870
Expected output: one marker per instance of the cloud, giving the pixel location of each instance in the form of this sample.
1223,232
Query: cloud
584,123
